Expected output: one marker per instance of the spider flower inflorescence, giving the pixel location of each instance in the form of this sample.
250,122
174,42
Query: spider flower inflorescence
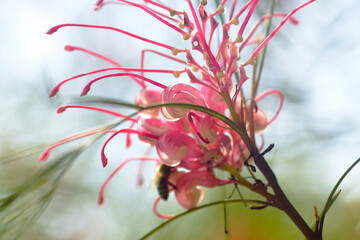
191,142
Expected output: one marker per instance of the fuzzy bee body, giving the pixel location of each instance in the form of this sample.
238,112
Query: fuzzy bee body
162,181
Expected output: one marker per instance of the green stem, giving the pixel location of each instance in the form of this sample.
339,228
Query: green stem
164,224
332,197
280,198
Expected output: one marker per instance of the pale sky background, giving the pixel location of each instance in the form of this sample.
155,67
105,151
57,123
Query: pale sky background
318,61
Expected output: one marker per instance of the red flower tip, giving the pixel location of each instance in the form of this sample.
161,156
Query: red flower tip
54,92
234,21
52,30
175,51
172,12
294,21
85,91
128,143
239,39
61,109
44,156
186,36
69,48
100,199
203,2
103,160
176,74
99,2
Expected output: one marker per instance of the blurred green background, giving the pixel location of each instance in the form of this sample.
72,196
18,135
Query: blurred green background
315,64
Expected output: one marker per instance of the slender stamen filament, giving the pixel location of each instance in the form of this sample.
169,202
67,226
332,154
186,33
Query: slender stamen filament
88,86
103,187
131,131
161,54
233,5
71,48
202,38
268,38
116,114
268,92
163,15
47,152
56,28
164,55
56,89
246,41
244,8
145,6
106,59
182,32
171,11
262,142
247,18
254,41
140,174
128,137
157,212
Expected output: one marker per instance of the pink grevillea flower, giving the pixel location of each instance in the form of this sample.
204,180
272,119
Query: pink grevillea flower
189,143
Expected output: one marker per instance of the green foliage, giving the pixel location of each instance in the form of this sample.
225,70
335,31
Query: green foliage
332,198
25,203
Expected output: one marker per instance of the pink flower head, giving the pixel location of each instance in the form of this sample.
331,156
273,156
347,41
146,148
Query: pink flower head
190,143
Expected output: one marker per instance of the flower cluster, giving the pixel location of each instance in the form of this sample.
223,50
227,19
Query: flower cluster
191,141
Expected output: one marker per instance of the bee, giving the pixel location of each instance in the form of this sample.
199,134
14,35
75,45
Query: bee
161,180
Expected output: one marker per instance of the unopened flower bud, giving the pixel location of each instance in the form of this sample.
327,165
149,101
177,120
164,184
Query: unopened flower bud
186,37
220,74
176,74
239,38
203,2
175,51
220,9
172,13
234,21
